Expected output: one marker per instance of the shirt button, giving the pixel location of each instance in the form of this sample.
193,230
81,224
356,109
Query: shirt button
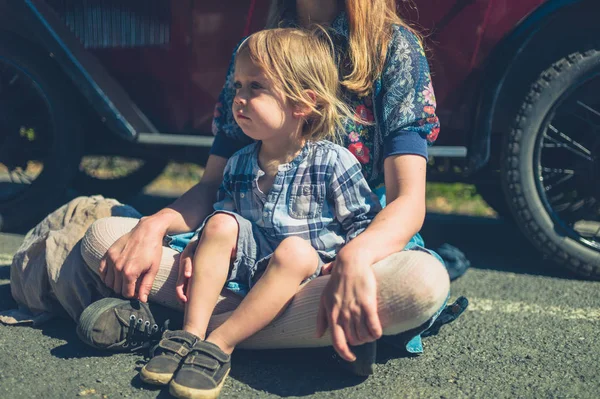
242,195
306,190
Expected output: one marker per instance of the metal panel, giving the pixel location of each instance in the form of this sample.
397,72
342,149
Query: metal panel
117,23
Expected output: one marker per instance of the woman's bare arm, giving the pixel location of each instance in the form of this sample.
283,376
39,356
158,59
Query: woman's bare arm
349,301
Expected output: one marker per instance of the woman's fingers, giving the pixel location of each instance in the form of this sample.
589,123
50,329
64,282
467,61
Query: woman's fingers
129,282
361,331
338,337
373,323
147,282
347,324
118,281
108,276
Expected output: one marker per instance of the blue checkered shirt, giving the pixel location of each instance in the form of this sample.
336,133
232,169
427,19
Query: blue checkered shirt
321,195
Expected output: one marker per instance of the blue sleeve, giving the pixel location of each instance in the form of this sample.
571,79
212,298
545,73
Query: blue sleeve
229,138
408,101
355,204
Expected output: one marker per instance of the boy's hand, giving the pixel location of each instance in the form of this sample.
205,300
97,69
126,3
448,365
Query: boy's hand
326,269
185,270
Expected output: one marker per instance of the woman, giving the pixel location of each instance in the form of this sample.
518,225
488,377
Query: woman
384,282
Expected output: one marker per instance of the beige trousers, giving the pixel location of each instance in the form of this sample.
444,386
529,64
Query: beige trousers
411,287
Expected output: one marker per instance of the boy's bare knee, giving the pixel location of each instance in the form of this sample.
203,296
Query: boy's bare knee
295,252
221,225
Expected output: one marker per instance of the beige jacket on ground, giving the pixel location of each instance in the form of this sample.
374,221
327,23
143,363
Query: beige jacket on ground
48,276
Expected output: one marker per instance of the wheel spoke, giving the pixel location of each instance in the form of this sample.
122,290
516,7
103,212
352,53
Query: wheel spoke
588,108
552,172
561,140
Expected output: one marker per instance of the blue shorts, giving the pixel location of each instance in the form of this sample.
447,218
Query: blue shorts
254,251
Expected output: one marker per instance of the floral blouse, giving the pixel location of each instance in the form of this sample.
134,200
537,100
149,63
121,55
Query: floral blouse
402,105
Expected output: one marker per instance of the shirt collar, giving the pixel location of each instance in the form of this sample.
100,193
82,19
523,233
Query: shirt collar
285,166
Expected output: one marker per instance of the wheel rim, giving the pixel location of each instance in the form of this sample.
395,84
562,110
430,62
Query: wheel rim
25,131
567,163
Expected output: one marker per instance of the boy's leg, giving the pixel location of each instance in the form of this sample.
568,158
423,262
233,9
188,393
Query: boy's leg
204,371
293,261
211,262
210,267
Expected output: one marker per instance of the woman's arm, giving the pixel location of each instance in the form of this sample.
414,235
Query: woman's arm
403,215
407,121
349,302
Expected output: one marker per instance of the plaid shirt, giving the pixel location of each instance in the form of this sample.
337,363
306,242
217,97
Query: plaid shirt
320,196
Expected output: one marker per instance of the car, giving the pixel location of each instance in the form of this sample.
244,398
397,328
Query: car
100,95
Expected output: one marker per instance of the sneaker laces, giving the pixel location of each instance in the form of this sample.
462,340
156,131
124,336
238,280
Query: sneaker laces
142,333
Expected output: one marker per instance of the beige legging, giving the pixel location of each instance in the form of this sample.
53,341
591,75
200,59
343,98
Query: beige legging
411,287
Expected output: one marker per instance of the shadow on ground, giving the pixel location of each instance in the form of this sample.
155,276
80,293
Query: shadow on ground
490,244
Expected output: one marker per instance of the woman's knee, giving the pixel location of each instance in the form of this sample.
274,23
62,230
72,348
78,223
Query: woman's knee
432,284
101,235
412,286
221,226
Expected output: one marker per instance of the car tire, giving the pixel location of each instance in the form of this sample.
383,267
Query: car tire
534,191
120,187
57,129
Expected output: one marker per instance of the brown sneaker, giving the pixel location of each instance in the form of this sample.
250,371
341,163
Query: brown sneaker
120,325
167,355
202,373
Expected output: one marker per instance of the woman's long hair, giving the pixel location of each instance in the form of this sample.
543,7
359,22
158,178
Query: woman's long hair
370,23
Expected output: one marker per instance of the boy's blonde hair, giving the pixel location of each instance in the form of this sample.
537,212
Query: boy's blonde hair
295,61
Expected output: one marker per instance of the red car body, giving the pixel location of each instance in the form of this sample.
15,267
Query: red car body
516,83
177,85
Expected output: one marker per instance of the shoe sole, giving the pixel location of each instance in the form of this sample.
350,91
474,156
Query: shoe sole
150,377
90,315
183,392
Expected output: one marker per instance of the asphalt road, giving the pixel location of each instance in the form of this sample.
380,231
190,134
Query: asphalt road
531,331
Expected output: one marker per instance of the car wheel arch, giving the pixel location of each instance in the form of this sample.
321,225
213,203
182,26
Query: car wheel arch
512,66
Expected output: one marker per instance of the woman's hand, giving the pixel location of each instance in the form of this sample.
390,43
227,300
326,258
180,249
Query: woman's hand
185,270
131,263
349,304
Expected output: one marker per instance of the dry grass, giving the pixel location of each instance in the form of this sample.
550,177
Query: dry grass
455,198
